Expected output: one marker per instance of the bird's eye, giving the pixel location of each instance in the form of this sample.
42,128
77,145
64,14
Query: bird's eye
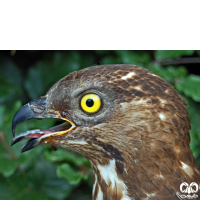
90,103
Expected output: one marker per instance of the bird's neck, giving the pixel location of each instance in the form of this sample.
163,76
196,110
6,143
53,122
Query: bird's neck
140,177
108,181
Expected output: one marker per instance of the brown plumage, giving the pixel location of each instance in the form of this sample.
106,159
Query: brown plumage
137,142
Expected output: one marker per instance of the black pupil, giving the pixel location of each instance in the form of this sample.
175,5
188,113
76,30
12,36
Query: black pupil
89,102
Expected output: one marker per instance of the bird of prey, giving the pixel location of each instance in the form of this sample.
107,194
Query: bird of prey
129,123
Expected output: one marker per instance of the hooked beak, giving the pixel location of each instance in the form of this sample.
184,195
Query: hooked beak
37,109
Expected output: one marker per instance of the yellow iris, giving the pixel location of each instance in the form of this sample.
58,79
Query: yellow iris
91,103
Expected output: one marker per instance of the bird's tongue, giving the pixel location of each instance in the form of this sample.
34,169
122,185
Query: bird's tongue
33,135
37,135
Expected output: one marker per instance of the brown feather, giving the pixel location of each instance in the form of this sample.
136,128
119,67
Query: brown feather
145,130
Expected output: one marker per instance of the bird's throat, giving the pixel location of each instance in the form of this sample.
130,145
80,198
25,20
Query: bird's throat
108,182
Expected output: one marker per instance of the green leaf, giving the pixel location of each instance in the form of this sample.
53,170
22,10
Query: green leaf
49,70
44,179
198,52
81,194
193,111
68,156
41,182
169,73
190,86
10,81
102,52
66,171
110,60
2,113
9,160
18,188
10,71
7,88
171,54
11,157
139,58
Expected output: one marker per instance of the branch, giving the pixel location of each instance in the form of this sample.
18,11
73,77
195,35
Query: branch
12,52
180,61
5,145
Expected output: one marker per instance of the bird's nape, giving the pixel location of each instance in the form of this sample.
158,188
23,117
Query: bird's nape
128,122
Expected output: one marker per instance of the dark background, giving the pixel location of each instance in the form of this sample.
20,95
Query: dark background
24,75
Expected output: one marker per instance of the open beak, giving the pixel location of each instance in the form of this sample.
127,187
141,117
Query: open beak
37,109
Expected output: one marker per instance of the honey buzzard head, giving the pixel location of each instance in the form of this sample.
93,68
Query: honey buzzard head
128,122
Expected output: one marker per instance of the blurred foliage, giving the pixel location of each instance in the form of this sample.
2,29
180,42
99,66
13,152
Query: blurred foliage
164,55
46,174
